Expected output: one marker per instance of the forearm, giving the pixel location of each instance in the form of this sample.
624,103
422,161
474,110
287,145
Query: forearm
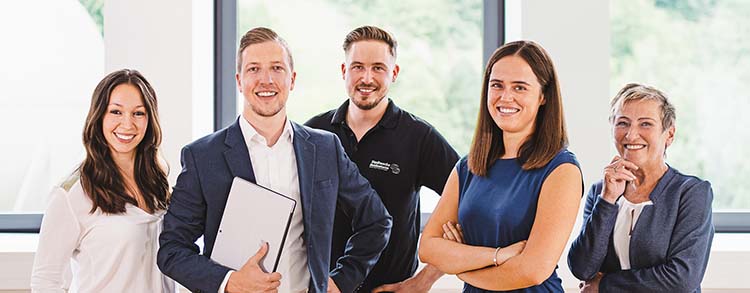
429,275
516,273
452,257
588,250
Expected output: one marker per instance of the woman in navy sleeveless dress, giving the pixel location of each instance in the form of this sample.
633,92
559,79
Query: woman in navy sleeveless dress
516,195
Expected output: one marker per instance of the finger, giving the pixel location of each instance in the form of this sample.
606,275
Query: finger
630,165
615,159
273,277
274,285
460,231
255,259
448,232
454,231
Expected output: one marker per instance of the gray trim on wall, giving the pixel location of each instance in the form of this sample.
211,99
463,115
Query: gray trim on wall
225,41
493,25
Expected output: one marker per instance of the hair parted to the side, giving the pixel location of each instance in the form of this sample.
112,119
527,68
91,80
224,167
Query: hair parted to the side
261,35
549,136
100,177
635,91
369,32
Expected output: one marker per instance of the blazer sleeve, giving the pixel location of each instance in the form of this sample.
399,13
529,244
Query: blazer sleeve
371,224
58,238
589,249
184,222
688,250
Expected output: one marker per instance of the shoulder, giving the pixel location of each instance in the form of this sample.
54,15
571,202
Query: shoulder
322,120
315,136
690,186
415,123
209,142
564,156
70,192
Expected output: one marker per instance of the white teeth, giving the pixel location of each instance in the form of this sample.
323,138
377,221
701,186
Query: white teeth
265,94
634,146
366,90
124,137
507,110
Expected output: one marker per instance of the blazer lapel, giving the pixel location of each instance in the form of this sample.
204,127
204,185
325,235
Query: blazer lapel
304,152
236,155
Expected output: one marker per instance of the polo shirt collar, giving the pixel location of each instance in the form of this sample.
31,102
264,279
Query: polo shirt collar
389,119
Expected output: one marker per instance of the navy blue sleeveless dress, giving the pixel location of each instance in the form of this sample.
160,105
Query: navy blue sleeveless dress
499,209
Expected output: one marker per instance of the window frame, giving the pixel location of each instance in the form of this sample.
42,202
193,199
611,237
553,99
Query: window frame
225,106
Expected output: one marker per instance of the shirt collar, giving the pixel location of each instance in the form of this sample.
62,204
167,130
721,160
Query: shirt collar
389,119
251,134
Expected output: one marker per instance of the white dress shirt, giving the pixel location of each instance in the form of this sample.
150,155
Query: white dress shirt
108,253
627,217
275,168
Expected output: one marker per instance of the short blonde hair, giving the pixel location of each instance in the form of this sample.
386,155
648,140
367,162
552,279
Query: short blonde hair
634,92
261,35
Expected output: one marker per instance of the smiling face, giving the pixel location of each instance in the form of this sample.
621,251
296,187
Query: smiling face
638,133
126,120
368,71
513,95
265,79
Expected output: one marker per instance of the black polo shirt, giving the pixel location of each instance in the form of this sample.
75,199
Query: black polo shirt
398,156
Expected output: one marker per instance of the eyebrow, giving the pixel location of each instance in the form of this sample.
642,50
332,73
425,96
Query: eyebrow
119,105
514,82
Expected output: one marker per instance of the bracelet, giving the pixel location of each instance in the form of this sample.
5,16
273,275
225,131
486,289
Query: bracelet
494,260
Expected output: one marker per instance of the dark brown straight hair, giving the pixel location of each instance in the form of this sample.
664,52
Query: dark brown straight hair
549,136
100,177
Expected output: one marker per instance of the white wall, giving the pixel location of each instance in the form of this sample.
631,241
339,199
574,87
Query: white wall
155,37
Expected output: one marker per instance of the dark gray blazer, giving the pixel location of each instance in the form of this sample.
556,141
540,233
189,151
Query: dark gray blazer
327,179
669,246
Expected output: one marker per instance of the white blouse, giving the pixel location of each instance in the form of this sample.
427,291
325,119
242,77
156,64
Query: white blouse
627,217
99,252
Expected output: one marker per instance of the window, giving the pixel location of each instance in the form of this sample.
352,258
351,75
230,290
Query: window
440,55
695,51
50,69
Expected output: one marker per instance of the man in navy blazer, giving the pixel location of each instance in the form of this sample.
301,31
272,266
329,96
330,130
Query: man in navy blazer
325,175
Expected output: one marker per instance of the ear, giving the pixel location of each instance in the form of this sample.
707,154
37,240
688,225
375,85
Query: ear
239,84
543,100
294,77
396,69
343,71
670,136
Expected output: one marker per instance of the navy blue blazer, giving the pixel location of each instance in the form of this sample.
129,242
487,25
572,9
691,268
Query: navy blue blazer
669,245
327,179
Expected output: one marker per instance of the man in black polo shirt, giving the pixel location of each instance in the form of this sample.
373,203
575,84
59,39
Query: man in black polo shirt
395,150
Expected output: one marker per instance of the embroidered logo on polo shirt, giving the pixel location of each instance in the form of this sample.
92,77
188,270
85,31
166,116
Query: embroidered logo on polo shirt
382,166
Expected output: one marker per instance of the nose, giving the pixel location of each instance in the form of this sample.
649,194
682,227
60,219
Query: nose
632,133
266,77
368,76
505,95
127,122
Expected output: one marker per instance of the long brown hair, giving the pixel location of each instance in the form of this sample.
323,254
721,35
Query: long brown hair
100,176
549,136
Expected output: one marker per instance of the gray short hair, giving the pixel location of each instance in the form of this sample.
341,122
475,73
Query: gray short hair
635,91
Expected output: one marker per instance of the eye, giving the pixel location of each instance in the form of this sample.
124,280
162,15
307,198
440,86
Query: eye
115,112
379,68
277,68
622,124
496,85
646,124
519,88
357,67
252,69
139,114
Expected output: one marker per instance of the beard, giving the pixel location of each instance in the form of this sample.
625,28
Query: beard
367,104
267,111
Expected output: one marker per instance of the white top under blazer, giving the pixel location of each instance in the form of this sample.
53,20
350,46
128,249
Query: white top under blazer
96,252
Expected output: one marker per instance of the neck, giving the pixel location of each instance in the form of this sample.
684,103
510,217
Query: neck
512,143
364,120
268,127
648,175
125,163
